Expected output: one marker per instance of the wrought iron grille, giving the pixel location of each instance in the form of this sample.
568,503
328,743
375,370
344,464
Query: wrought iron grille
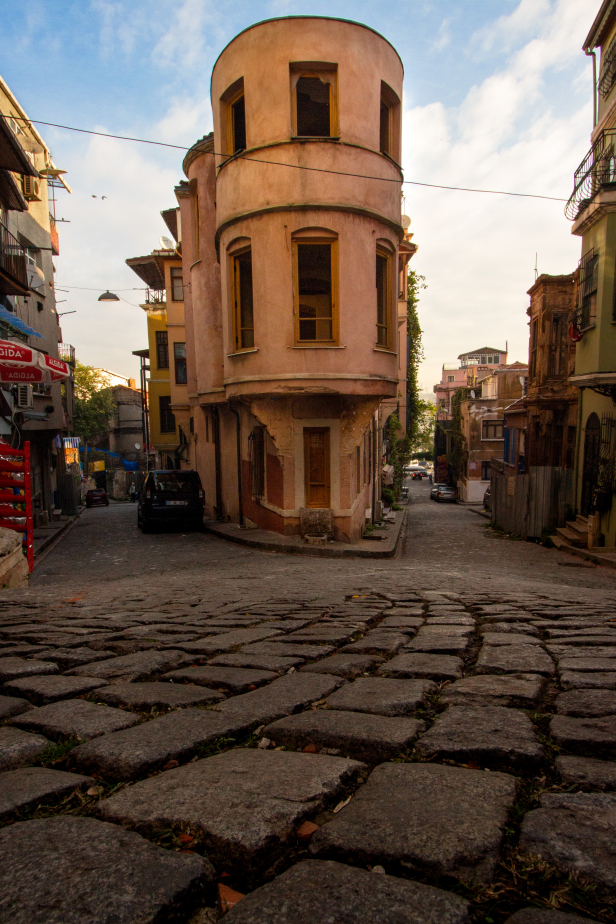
597,169
583,316
608,70
13,260
607,455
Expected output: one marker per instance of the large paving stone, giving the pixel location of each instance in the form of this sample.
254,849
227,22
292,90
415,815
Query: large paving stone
587,773
378,642
325,635
74,718
146,748
232,679
491,735
458,619
12,668
576,833
354,734
586,664
510,638
381,695
584,651
287,650
137,666
578,680
430,666
227,641
596,735
423,818
20,789
439,644
279,698
246,802
74,870
242,659
325,892
514,690
345,665
145,696
12,705
406,624
586,703
514,659
42,689
19,747
547,916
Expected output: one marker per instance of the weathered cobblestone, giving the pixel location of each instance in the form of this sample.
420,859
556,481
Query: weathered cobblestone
536,643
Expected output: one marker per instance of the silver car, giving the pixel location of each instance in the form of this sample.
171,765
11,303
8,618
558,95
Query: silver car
434,490
445,493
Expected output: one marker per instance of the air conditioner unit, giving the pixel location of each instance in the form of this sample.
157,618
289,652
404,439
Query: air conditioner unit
31,188
23,397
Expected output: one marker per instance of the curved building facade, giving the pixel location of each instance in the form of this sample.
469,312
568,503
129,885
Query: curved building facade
295,263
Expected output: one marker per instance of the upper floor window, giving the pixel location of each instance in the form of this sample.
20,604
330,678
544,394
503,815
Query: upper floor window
162,349
608,69
314,100
389,128
177,286
451,378
167,417
315,291
587,289
383,297
233,117
243,314
179,355
491,429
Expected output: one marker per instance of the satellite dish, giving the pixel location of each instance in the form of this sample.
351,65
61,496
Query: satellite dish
165,243
472,394
137,445
406,222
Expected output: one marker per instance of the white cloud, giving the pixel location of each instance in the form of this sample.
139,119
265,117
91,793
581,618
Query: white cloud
478,251
443,37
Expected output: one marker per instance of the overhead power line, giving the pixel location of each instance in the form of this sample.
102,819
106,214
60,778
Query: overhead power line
361,176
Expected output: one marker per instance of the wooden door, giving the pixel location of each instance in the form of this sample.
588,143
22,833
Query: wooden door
316,466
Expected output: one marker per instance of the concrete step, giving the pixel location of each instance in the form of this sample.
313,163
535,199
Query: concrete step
572,537
583,521
581,528
561,543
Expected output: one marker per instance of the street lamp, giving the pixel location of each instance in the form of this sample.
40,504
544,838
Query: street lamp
108,297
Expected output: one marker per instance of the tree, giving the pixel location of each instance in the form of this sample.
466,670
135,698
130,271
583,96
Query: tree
416,407
94,404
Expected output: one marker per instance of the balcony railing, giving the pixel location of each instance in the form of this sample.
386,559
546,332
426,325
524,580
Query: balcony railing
155,296
596,170
66,352
13,263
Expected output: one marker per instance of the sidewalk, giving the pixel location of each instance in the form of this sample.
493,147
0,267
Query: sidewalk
44,535
275,542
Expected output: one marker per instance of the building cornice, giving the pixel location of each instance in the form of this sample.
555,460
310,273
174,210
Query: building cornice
602,204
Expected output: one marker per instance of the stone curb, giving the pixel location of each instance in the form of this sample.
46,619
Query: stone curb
274,542
48,543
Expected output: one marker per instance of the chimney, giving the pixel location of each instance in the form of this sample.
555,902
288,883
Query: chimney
132,383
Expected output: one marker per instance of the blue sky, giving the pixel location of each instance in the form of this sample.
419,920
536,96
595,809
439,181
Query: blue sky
497,95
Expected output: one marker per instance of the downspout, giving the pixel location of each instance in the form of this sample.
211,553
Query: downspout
578,446
374,469
593,55
217,469
238,435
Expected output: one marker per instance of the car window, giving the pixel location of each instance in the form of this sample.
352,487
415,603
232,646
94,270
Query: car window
179,482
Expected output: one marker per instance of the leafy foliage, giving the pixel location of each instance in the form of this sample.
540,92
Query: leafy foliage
94,404
399,452
421,414
458,452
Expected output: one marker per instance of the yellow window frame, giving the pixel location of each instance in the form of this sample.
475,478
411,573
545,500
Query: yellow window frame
325,76
335,317
383,328
238,330
230,103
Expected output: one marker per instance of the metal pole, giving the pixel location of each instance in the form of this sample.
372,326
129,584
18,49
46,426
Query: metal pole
238,434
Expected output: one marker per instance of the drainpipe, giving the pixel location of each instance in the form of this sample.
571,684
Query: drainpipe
592,54
578,444
238,434
374,468
217,464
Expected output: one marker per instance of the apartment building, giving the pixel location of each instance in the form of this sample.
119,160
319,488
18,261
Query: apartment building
294,258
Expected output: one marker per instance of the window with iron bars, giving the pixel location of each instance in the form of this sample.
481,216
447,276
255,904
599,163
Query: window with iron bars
608,70
607,457
256,455
584,314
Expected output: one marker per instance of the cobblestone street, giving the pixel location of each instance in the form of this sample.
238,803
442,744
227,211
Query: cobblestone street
192,728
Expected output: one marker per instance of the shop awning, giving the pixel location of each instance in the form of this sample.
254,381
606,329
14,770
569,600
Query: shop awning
23,364
17,323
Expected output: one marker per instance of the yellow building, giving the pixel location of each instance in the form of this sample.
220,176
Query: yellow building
168,408
592,326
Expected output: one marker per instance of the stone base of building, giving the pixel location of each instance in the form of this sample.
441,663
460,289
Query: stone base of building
472,491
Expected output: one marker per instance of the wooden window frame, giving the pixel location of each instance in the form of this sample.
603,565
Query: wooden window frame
389,99
236,302
175,274
333,242
179,362
231,143
488,424
166,414
387,327
162,348
328,73
228,100
328,482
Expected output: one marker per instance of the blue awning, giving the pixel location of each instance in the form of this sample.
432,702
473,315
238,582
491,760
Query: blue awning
17,323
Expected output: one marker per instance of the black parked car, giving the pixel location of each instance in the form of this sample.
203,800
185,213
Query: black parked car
170,497
97,497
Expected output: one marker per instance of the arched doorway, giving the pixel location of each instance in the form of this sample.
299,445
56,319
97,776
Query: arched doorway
590,475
